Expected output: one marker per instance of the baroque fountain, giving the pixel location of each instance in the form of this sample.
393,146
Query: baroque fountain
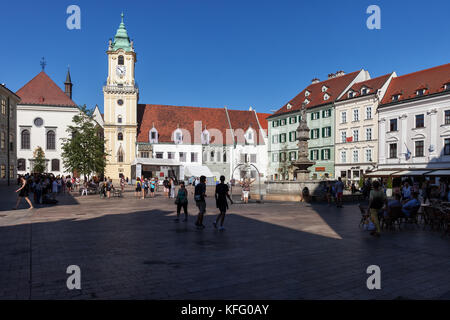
287,190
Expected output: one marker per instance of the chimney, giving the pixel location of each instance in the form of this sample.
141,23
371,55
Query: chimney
315,80
68,85
331,75
339,73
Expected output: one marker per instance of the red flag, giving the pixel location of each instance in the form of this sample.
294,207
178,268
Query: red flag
349,139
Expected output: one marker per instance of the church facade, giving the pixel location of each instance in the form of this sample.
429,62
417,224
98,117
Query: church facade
144,140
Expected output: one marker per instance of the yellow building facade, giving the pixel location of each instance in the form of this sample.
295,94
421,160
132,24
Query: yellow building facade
121,96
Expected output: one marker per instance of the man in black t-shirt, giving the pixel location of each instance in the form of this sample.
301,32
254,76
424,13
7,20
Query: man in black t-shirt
199,196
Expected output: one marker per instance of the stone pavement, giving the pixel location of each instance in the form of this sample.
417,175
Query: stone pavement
132,249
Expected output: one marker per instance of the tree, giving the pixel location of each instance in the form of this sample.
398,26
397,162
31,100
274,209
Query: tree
39,162
84,151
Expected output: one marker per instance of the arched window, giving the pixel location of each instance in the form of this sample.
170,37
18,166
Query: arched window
178,136
121,60
119,119
120,136
120,155
55,165
25,139
51,140
21,165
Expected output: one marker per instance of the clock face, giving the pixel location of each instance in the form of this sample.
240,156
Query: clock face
121,70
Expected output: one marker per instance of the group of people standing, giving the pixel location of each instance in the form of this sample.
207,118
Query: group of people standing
221,196
44,187
144,187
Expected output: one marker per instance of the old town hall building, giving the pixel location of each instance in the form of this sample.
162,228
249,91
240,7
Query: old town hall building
144,140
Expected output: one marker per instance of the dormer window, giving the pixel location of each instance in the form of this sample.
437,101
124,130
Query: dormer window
307,93
324,88
153,135
447,86
420,92
351,94
326,96
249,136
289,106
178,136
395,97
364,90
306,101
205,137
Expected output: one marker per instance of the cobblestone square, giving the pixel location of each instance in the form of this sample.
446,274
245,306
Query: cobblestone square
132,249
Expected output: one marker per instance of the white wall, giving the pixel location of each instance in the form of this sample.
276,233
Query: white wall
433,134
57,118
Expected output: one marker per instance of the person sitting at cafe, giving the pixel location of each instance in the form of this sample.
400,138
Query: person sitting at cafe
394,203
406,191
411,205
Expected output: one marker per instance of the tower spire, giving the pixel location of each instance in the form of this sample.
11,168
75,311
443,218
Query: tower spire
68,84
121,39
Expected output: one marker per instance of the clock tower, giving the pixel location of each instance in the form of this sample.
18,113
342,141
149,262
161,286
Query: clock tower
121,96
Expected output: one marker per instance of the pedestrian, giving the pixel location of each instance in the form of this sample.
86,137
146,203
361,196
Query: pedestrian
122,184
221,195
152,187
138,189
246,189
85,188
146,187
109,187
406,191
182,202
199,196
172,188
166,187
377,199
23,191
339,187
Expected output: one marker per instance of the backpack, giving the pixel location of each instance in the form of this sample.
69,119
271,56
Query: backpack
138,184
198,195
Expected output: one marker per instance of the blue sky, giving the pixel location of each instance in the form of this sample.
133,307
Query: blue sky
215,53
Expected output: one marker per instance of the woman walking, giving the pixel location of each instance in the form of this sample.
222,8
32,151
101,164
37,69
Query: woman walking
221,196
182,202
23,193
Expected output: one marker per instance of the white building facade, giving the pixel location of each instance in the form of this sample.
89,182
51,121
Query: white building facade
43,117
414,121
356,123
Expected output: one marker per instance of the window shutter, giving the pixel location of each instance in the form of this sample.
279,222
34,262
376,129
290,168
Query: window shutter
311,155
321,154
323,132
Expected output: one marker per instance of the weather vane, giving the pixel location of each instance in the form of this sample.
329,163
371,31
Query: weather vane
43,63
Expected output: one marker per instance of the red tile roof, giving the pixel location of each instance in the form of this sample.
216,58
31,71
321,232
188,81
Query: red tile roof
433,80
167,119
373,85
262,117
241,121
335,87
41,90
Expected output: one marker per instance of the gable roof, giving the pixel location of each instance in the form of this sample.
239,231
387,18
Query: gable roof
241,121
166,119
41,90
335,87
374,85
432,79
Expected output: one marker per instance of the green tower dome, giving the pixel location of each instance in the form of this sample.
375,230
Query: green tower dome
121,39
